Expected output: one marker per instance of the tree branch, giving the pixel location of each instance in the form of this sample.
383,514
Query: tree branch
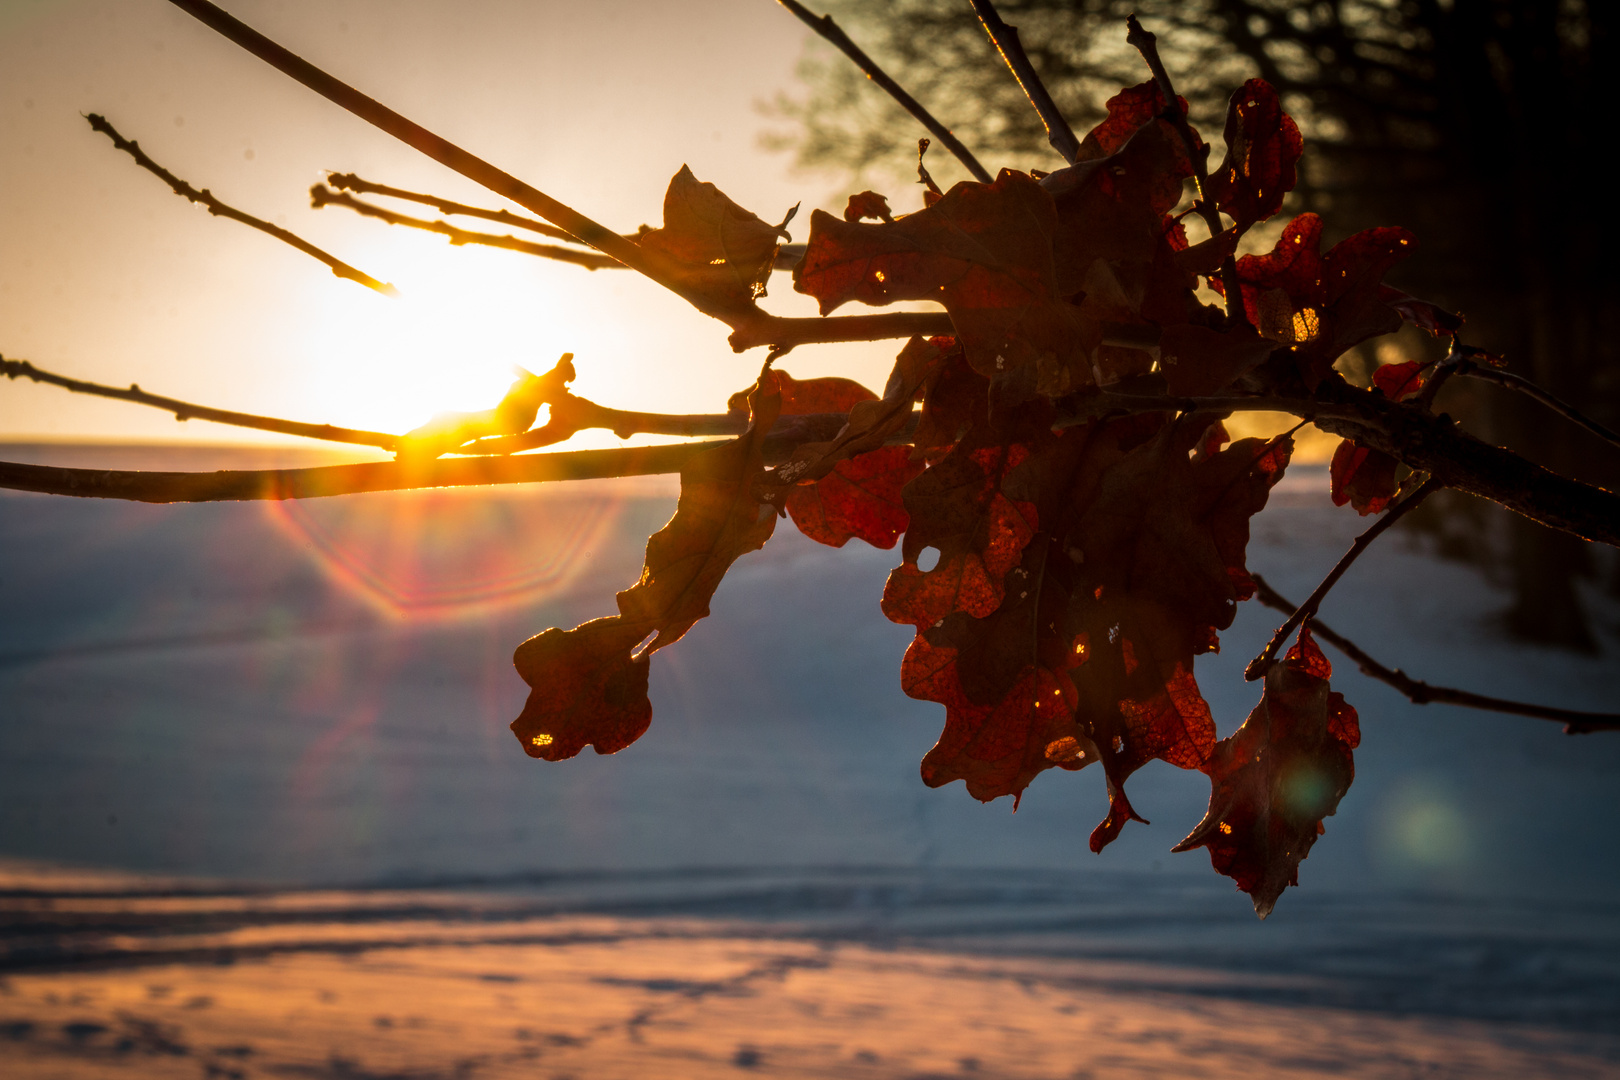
828,29
351,182
1005,38
1147,43
762,328
454,157
320,196
219,209
185,410
1257,667
1058,131
1421,693
1475,370
786,435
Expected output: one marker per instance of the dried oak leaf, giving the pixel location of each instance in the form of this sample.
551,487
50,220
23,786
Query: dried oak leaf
1278,776
1088,654
867,204
720,253
1320,305
717,520
1156,566
514,415
957,508
1127,111
860,499
1363,477
1263,148
983,250
587,689
1421,313
802,397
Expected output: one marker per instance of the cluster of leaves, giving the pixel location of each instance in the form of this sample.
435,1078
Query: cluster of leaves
1062,569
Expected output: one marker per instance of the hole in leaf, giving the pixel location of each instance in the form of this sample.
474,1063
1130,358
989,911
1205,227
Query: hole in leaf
928,559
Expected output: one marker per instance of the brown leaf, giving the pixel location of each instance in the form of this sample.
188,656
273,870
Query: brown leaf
1263,146
859,499
514,415
717,519
1321,305
1363,477
867,204
1278,776
1196,360
984,251
715,248
587,689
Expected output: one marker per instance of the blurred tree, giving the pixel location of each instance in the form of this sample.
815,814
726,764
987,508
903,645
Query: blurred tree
1478,125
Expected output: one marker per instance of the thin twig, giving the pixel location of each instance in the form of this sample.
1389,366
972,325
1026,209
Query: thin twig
351,182
185,410
1419,692
1507,380
454,157
320,196
827,28
787,255
1147,43
1257,667
1058,131
219,209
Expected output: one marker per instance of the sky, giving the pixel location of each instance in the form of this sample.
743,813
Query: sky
105,275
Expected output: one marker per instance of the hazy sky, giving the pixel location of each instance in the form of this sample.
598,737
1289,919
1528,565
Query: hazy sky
106,275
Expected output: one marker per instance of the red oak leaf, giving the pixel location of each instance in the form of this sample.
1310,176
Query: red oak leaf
1263,146
1128,110
1401,381
1277,777
718,251
957,508
860,498
1421,313
802,397
1321,305
1363,477
1092,639
867,204
983,250
717,520
587,689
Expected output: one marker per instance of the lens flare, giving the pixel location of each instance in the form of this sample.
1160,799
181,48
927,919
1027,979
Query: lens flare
453,553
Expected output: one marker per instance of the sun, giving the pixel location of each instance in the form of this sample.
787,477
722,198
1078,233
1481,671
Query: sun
464,319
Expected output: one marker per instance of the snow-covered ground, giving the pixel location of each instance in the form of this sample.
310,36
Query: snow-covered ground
316,695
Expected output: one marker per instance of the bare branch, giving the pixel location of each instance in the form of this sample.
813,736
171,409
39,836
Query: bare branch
788,434
1146,43
1005,37
351,182
1475,370
1421,693
219,209
320,196
830,30
454,157
1257,667
185,410
233,486
762,328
